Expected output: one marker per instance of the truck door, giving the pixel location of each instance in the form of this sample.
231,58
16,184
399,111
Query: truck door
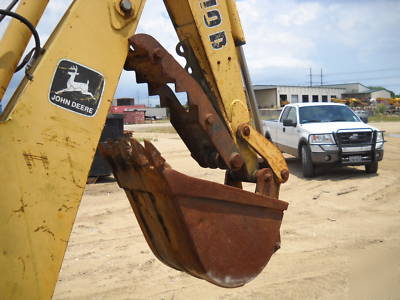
288,133
279,140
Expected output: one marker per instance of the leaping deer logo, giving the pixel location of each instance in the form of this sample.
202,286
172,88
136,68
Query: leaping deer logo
74,86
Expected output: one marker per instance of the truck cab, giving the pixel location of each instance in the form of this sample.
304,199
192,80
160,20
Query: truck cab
326,134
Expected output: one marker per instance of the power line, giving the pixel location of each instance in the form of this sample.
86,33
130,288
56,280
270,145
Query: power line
321,76
363,79
360,72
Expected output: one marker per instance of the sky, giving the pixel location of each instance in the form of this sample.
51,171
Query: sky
349,40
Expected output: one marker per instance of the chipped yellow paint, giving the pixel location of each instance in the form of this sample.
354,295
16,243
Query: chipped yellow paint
46,151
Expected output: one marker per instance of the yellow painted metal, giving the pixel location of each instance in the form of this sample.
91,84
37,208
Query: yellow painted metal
16,38
238,112
46,151
257,141
199,22
237,31
268,151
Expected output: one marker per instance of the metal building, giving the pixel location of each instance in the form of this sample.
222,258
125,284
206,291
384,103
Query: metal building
360,91
275,96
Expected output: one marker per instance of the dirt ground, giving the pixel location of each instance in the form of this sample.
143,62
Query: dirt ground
340,238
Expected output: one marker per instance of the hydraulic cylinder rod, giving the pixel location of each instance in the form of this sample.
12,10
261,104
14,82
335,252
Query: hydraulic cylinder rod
16,38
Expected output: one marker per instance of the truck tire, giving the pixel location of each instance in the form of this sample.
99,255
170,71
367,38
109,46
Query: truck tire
268,136
306,162
371,168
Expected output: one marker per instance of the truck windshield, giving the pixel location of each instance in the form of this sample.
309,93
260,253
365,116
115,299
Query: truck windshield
326,113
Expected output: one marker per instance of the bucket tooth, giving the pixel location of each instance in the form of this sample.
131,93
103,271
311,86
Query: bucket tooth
141,78
180,88
151,89
206,133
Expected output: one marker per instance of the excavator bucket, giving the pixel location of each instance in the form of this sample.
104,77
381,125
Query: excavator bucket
212,231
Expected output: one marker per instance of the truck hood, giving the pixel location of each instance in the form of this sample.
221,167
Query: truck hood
328,127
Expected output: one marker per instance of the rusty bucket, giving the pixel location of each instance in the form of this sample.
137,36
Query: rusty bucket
212,231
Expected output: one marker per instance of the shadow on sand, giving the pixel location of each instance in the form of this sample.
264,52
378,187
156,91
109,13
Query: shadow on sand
335,173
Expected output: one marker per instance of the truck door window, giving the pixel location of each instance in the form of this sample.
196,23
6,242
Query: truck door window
292,115
285,114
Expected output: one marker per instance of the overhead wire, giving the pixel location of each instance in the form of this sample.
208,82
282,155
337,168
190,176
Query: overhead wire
9,7
360,72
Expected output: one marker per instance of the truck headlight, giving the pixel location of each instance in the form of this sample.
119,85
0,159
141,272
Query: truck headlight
321,139
379,140
379,137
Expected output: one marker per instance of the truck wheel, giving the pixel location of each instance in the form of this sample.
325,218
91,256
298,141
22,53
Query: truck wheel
268,136
371,168
306,162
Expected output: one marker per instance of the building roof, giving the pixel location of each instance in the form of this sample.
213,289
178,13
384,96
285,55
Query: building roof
266,87
346,84
365,92
359,93
338,84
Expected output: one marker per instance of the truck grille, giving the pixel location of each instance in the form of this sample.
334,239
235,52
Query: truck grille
354,138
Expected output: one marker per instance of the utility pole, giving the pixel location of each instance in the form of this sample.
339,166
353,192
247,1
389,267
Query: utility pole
321,76
310,77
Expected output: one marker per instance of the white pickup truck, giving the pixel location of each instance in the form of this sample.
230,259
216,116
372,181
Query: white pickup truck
325,134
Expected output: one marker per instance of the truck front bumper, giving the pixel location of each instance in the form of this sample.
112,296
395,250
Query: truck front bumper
346,158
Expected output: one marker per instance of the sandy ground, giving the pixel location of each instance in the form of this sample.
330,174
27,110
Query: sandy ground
340,238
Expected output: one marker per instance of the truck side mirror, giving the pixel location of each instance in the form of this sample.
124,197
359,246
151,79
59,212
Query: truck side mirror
288,122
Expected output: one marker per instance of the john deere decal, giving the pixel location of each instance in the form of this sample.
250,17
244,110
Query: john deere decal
76,88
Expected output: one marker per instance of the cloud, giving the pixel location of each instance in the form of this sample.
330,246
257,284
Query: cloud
298,13
286,38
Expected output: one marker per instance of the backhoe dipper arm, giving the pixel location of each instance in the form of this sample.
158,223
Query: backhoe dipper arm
211,34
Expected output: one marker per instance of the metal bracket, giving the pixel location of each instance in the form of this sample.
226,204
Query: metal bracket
119,18
266,149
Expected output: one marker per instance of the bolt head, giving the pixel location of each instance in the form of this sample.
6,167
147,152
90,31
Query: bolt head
246,130
236,161
210,119
267,177
285,175
126,7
